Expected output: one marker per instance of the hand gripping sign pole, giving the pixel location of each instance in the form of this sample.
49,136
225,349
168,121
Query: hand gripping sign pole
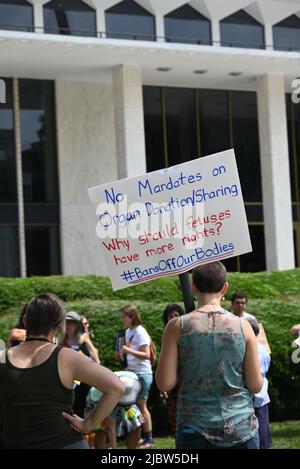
188,298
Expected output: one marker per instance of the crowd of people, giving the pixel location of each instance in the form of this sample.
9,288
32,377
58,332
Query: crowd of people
211,372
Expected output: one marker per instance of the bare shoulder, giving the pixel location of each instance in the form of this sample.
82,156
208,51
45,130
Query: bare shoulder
172,329
247,329
72,357
173,325
68,355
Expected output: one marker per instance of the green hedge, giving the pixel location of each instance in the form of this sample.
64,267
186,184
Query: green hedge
14,292
273,298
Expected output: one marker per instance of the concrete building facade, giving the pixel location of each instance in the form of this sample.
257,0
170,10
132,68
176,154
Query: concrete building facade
98,90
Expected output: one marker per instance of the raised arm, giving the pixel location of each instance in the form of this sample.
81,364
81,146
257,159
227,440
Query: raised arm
91,349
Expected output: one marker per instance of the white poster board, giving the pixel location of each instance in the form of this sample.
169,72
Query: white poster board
169,221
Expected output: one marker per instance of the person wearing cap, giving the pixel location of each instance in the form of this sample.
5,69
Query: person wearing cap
125,420
77,340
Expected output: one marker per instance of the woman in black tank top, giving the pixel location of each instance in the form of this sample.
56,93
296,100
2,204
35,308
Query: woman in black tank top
36,394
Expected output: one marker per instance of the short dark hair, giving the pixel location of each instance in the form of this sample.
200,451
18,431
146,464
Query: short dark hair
210,278
169,309
44,312
238,296
254,325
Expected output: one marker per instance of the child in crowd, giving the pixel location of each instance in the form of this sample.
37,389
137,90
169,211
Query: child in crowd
125,420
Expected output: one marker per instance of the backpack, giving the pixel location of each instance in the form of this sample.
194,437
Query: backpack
152,353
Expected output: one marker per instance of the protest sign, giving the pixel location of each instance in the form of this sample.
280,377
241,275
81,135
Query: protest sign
168,221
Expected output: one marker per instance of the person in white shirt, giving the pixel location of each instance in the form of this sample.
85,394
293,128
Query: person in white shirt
238,306
261,400
137,349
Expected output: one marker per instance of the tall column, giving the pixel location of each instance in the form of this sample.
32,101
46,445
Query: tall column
86,158
19,172
269,36
215,32
100,20
129,120
160,27
276,185
38,15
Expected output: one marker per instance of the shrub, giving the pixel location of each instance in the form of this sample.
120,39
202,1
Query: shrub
273,298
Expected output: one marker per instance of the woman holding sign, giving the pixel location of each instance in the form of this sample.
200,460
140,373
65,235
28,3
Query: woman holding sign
138,351
216,353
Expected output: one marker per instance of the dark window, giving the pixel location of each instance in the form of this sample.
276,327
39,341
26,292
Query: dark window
181,125
242,30
231,264
40,176
296,251
246,143
40,179
293,125
214,121
225,119
295,110
255,261
69,17
8,190
42,250
254,212
9,238
9,251
128,20
187,25
292,149
154,128
16,15
286,34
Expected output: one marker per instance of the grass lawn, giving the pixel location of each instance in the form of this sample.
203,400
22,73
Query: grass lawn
285,435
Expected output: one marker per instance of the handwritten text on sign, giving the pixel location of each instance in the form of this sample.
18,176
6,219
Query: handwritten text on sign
171,220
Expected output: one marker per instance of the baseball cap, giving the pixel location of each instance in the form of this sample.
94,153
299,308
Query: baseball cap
132,385
73,316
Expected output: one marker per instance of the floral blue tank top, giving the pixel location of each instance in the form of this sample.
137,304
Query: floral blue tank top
213,399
